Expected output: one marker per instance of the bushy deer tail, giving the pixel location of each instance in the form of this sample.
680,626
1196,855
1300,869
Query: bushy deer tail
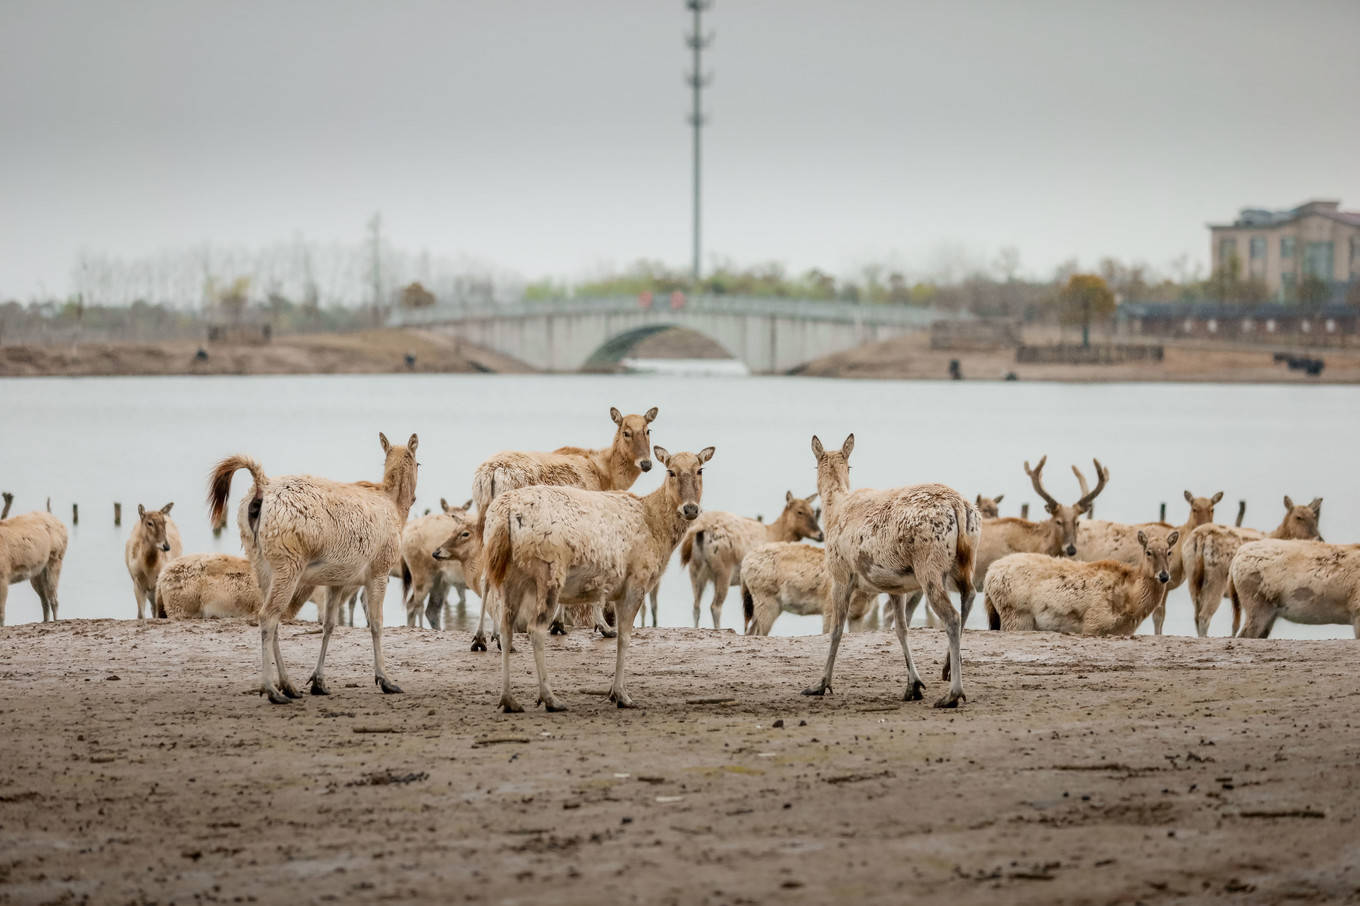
496,552
1236,604
748,606
219,489
968,525
687,545
405,582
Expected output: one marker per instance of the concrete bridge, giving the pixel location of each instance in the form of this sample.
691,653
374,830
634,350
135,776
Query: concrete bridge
767,335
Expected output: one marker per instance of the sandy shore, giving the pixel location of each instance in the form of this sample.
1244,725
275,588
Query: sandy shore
139,768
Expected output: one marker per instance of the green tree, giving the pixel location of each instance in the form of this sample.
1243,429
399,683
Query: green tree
1086,296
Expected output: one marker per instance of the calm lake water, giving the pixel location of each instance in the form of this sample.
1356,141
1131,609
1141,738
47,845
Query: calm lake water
151,440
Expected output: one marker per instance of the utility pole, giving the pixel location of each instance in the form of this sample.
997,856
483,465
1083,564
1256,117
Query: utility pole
697,42
375,238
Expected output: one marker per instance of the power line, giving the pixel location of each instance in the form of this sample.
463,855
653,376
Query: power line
698,80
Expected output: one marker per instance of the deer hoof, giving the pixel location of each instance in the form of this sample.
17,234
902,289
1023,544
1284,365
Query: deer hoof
387,686
915,692
319,687
552,703
510,706
607,632
819,689
951,700
556,628
289,690
277,698
479,643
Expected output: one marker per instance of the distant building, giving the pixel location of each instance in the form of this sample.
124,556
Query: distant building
1283,248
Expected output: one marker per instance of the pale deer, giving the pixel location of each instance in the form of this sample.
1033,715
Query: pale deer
301,530
898,542
989,507
1056,536
153,543
786,576
1035,592
612,468
1104,540
1308,582
1210,549
214,586
32,548
714,546
546,543
422,577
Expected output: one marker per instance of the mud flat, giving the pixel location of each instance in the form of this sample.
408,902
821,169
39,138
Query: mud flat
140,768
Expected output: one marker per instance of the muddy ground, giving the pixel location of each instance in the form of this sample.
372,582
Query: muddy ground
138,767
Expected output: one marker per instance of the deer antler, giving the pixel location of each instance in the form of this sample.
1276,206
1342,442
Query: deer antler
1036,478
1102,476
1081,480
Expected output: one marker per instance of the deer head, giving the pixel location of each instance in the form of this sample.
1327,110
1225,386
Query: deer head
399,471
1157,554
1202,508
989,507
1301,522
153,525
462,545
632,440
684,479
833,467
800,515
1065,517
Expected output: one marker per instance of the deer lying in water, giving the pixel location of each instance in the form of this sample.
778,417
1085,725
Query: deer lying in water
1056,536
1210,549
421,575
300,530
1035,592
1308,582
613,468
545,543
792,577
1103,540
899,542
714,546
153,543
32,548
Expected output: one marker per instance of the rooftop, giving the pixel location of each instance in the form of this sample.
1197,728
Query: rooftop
1264,217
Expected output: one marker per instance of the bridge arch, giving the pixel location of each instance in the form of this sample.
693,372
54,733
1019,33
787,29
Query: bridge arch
617,347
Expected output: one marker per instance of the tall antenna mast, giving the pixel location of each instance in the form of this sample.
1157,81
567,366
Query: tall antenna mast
698,80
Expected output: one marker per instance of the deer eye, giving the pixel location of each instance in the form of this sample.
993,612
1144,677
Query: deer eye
670,472
701,471
628,434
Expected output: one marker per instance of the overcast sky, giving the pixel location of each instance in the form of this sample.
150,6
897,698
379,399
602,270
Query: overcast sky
549,137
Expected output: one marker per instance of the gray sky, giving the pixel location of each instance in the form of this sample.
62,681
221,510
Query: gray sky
549,138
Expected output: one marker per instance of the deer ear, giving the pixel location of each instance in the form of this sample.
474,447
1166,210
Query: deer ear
848,446
811,497
1142,538
413,443
141,511
382,439
444,505
788,497
1216,498
1316,506
817,513
817,450
1172,538
1288,503
998,498
650,415
1189,498
468,505
616,415
165,510
706,454
662,455
978,500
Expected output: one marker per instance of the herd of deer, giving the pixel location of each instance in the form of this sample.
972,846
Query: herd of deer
555,538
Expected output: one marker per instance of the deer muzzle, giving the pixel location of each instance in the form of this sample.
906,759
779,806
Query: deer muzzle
690,511
645,465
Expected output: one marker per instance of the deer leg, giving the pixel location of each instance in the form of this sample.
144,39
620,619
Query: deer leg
479,639
944,609
136,593
722,581
624,610
1158,617
966,595
696,583
509,605
4,594
330,613
840,597
283,583
545,602
39,583
415,596
374,591
601,624
434,608
656,605
901,616
285,684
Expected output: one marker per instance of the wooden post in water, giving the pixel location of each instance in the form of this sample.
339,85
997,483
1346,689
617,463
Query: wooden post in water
1161,512
1024,510
75,514
1241,512
49,504
9,502
117,513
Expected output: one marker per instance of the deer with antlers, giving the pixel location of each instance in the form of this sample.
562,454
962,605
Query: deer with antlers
1056,536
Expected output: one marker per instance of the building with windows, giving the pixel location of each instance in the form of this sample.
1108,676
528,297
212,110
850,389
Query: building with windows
1284,248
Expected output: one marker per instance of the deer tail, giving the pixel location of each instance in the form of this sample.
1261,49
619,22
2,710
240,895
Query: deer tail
219,488
496,552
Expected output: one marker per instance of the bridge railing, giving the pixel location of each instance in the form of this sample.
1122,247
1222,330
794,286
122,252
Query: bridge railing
799,309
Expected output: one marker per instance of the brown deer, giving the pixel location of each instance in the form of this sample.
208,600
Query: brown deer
1210,549
787,576
1035,592
32,548
214,586
421,575
1056,536
714,546
989,507
1103,540
1308,582
613,468
301,530
544,544
153,543
898,542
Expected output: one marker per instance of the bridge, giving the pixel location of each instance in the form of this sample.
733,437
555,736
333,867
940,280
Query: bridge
767,335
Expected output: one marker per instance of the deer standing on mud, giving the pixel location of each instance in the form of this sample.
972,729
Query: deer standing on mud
548,544
1035,592
900,542
786,576
1309,582
32,548
714,546
613,468
1210,549
1056,536
300,530
154,542
1103,540
421,575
